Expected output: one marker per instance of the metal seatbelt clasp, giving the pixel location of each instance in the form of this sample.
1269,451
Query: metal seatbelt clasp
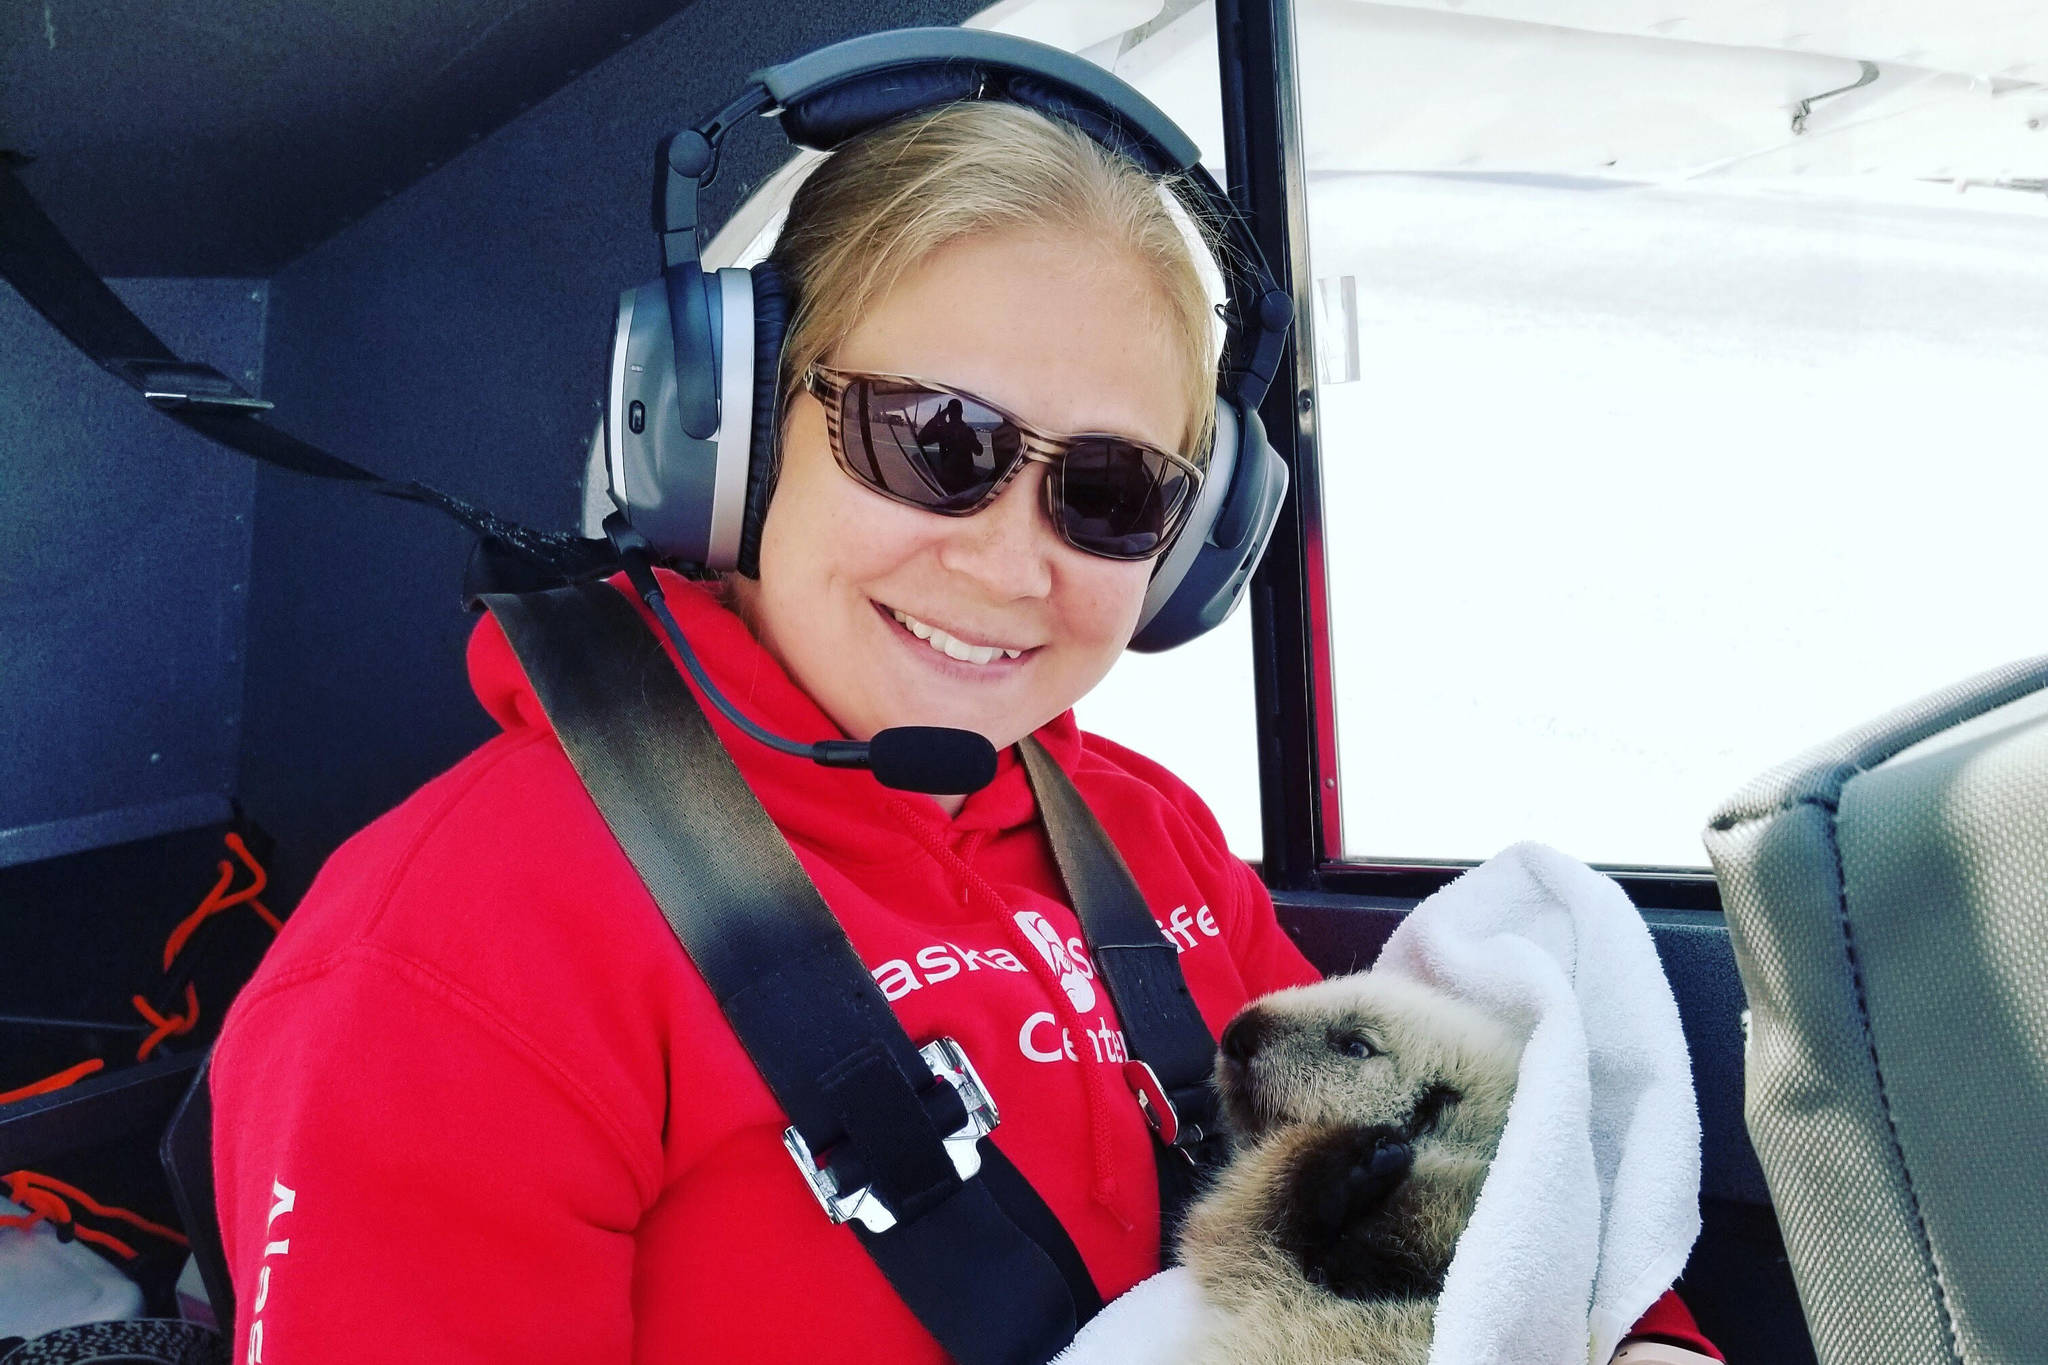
1157,1106
948,1061
174,384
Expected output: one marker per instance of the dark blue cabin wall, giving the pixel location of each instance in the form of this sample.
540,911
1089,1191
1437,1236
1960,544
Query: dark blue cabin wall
124,569
460,335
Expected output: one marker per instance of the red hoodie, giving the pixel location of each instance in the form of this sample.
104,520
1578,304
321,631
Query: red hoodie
477,1104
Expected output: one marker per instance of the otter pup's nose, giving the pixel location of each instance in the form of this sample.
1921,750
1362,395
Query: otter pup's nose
1246,1034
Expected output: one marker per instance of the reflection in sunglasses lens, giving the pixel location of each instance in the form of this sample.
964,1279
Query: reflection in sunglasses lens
1118,499
945,453
921,446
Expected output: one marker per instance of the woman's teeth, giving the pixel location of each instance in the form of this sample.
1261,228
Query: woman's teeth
950,647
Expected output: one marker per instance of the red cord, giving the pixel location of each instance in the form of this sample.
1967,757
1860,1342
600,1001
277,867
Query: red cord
220,899
45,1198
170,1025
166,1024
56,1082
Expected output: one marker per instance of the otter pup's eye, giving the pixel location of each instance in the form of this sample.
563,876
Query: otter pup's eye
1352,1045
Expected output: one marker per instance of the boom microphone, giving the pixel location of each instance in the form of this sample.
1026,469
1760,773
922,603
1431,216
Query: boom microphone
912,758
931,758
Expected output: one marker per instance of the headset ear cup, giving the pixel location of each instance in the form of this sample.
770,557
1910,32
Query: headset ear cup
1205,574
771,312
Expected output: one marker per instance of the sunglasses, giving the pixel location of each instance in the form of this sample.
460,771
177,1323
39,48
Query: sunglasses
943,449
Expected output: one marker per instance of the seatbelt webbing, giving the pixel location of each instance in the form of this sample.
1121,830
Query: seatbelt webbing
809,1015
1162,1025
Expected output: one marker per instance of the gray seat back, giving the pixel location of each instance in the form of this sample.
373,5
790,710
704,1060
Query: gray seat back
1887,900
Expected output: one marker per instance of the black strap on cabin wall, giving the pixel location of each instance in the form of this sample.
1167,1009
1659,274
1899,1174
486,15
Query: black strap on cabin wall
56,282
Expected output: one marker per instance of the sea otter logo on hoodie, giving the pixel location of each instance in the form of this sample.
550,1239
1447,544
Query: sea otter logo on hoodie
1074,979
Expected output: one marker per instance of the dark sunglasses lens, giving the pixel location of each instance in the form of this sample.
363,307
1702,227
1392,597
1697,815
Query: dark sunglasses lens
924,447
1118,499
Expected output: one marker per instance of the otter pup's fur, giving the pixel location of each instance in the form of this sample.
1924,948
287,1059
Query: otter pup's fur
1364,1111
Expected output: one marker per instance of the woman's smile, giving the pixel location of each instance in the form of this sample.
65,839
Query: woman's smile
982,656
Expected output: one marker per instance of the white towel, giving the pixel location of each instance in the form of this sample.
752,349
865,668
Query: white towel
1155,1322
1592,1204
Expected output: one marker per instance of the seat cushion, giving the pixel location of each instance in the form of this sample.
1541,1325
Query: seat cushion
1887,899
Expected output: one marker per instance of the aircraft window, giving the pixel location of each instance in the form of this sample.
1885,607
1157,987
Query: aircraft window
1191,708
1658,436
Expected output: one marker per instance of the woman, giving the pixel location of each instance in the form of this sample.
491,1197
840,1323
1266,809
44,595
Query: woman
478,1105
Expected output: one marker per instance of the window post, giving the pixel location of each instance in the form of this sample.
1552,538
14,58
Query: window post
1290,636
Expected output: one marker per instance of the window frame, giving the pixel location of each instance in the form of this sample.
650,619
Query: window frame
1300,786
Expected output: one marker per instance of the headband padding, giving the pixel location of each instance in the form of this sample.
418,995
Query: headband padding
1057,101
831,116
771,314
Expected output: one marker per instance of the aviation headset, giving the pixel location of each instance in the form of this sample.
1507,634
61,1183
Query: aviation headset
690,422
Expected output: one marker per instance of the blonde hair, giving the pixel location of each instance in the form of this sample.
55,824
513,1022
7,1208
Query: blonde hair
886,200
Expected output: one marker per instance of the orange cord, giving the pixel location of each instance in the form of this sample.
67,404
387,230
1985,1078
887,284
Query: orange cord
219,899
44,1197
56,1082
166,1024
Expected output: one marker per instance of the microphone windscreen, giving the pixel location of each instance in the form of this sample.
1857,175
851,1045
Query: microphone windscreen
930,759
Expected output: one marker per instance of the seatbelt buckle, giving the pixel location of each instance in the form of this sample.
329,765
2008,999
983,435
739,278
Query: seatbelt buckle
948,1061
1158,1108
174,384
1152,1101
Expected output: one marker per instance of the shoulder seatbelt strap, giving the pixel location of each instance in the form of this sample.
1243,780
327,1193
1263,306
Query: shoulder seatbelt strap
1173,1054
818,1029
54,280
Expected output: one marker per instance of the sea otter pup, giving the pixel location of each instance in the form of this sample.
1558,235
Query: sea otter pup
1364,1111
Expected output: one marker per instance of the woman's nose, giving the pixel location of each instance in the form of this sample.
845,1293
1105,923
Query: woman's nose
1009,544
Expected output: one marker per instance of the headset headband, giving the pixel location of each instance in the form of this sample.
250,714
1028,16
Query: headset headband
881,64
825,97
